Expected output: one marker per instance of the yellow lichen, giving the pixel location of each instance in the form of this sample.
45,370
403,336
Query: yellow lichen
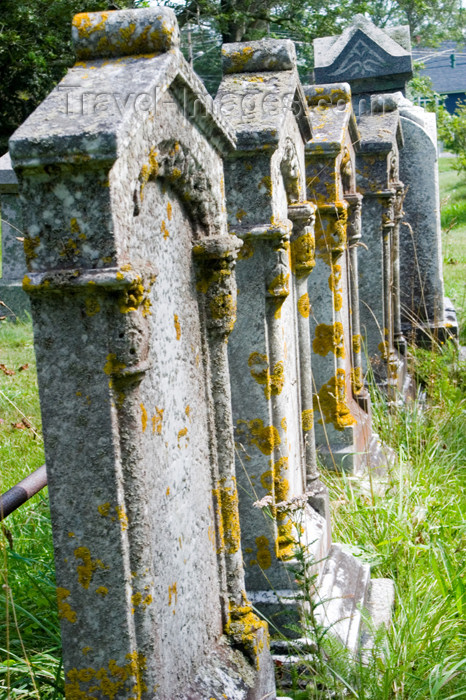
92,306
102,590
307,419
239,59
228,496
304,305
283,424
177,324
138,599
247,630
357,379
329,338
87,567
240,214
104,509
263,556
135,296
173,594
157,421
122,517
246,251
143,417
279,286
265,438
113,366
331,402
223,306
356,342
65,612
303,254
169,211
273,382
181,434
30,244
108,682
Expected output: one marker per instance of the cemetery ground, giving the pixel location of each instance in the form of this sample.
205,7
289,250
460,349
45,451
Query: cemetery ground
412,531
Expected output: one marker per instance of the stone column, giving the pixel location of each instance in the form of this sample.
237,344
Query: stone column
354,238
399,339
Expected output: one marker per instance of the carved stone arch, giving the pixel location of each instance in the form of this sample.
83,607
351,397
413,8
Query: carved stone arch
173,161
346,172
290,170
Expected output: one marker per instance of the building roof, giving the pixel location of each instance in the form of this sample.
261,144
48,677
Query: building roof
445,79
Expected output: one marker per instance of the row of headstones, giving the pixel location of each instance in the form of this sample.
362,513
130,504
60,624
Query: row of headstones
169,407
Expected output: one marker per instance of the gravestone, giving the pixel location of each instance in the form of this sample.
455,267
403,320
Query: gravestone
13,265
379,272
343,428
270,351
132,285
375,61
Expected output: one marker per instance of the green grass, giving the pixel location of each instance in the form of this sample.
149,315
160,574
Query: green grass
453,219
30,644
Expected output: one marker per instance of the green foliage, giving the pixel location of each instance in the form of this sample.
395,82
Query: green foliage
452,131
35,52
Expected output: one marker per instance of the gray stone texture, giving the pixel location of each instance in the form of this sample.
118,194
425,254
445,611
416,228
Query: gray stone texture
131,277
13,263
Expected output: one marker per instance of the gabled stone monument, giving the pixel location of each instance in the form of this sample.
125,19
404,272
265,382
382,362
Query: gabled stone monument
13,264
342,408
132,284
270,350
375,61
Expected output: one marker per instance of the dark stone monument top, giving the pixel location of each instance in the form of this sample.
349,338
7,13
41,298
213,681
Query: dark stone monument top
369,58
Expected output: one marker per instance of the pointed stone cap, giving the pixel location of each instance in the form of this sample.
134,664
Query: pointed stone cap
369,58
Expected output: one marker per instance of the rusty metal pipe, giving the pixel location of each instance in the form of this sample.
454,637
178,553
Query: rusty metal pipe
22,492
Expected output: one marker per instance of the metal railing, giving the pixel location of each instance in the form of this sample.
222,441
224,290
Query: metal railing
22,492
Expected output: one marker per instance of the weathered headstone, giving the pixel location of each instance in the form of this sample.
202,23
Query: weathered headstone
375,61
343,428
269,350
133,296
13,265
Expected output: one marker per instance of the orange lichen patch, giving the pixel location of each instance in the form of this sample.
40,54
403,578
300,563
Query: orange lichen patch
265,185
263,556
104,509
228,496
113,366
149,171
247,630
272,381
143,417
86,23
223,306
357,343
187,410
108,682
181,434
164,230
357,379
177,324
246,251
172,594
329,338
138,599
303,254
136,296
384,349
102,590
169,211
304,305
330,235
87,567
239,59
280,285
65,612
92,306
206,276
307,420
157,421
122,517
265,438
240,214
331,402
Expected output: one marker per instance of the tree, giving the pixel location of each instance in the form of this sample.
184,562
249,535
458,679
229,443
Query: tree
35,52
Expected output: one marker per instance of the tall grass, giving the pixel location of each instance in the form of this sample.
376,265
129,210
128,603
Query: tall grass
30,663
